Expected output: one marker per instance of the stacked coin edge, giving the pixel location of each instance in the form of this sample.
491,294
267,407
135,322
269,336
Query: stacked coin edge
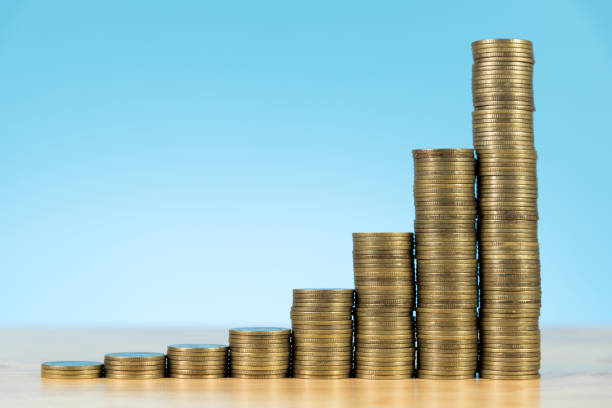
445,252
259,352
510,297
71,370
322,325
197,361
135,365
383,264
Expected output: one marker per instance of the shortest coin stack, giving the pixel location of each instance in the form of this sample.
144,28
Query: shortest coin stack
197,360
135,366
71,370
259,352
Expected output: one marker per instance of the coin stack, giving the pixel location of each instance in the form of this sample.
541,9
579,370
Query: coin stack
445,250
259,352
383,264
507,199
135,366
322,324
197,360
71,370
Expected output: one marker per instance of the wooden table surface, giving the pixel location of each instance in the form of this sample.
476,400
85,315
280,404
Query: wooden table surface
576,372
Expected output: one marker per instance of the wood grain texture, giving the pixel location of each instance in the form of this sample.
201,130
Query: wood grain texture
576,372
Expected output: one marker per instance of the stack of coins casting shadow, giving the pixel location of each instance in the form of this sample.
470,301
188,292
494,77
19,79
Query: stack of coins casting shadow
384,324
445,250
259,352
508,249
135,366
322,324
197,360
71,370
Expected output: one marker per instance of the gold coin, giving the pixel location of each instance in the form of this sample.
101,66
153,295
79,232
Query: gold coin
493,63
197,348
271,368
195,359
134,372
259,376
505,42
196,376
221,371
70,377
260,331
128,367
72,365
444,377
502,375
198,366
450,372
331,352
69,373
382,354
407,373
318,349
320,377
384,377
135,376
135,357
322,360
442,153
333,292
406,235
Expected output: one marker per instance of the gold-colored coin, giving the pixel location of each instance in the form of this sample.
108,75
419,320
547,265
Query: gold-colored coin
133,372
71,373
123,366
331,353
405,372
260,331
206,349
220,371
382,235
196,376
135,357
134,376
72,365
70,377
198,366
384,377
426,376
259,376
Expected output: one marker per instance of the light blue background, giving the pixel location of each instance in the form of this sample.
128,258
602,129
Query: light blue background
188,163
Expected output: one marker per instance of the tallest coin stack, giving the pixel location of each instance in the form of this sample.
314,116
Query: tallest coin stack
508,249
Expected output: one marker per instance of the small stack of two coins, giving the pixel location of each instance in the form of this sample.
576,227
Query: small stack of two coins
322,323
447,282
510,295
71,370
260,352
384,324
135,366
197,360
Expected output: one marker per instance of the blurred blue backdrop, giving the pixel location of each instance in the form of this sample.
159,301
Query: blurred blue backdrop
188,163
